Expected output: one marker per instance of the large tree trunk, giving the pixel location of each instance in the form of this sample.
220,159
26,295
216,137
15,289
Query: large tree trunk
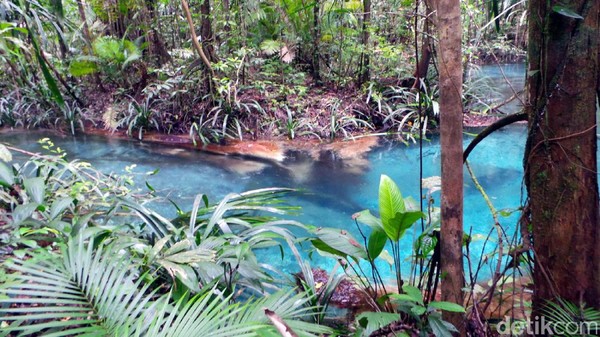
560,159
450,67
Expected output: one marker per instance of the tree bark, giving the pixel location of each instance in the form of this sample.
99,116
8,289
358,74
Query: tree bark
426,53
156,45
206,32
451,116
316,69
560,157
364,74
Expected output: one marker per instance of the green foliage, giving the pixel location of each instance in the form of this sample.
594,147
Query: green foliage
72,117
570,319
268,55
397,215
48,198
395,219
426,316
83,66
218,242
140,116
119,51
101,293
101,267
113,57
369,322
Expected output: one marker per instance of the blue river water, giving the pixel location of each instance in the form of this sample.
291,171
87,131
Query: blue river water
333,188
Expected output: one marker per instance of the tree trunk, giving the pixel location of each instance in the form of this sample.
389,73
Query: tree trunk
426,53
207,65
560,158
364,74
450,68
157,48
206,32
316,69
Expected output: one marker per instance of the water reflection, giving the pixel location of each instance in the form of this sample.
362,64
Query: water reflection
335,184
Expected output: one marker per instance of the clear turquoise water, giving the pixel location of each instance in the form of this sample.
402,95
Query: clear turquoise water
335,189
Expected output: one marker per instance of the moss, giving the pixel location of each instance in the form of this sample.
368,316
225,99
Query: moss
548,215
540,181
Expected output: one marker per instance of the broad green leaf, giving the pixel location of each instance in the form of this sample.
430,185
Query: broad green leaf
323,247
418,310
376,243
178,247
5,154
439,327
35,188
447,306
365,217
403,221
562,10
390,204
80,222
184,273
58,206
402,298
82,67
342,241
158,246
7,176
191,256
414,293
372,321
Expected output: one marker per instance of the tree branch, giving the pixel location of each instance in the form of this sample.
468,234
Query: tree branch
195,42
493,127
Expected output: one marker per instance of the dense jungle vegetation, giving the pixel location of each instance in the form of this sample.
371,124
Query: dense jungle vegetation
321,69
84,254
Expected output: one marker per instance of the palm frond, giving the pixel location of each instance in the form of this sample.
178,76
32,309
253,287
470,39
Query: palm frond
85,291
570,319
95,292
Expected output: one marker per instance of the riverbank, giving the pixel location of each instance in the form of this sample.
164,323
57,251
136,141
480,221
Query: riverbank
278,113
273,149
